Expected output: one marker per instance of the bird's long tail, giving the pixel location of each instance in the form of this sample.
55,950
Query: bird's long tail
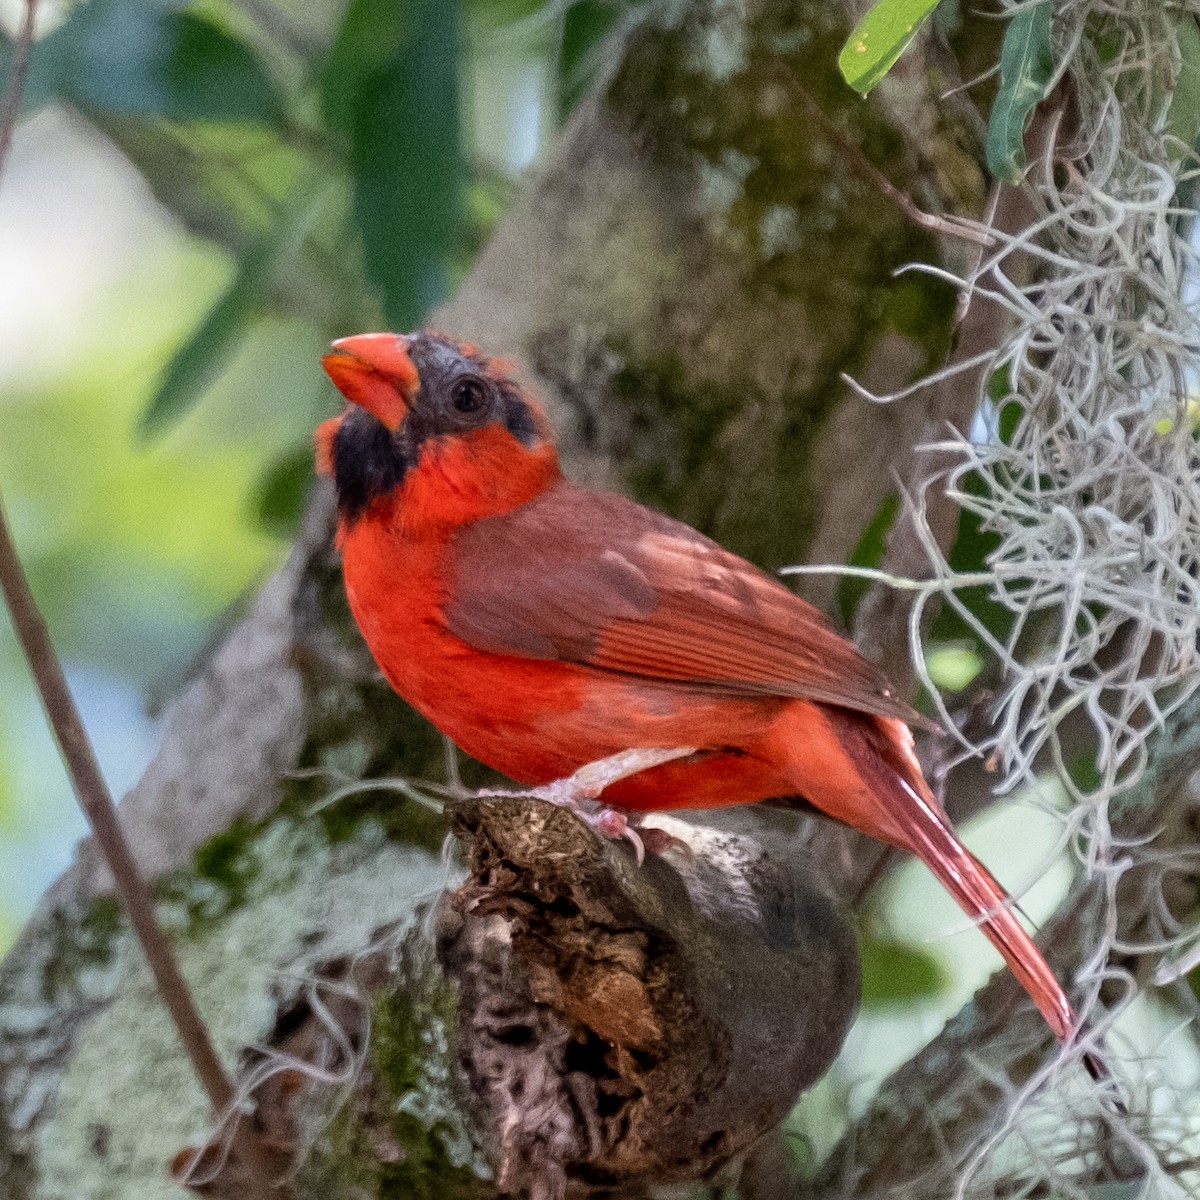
893,802
979,895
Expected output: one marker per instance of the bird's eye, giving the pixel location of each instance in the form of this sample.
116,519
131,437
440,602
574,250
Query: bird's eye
469,394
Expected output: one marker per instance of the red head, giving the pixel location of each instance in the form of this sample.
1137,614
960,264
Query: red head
439,433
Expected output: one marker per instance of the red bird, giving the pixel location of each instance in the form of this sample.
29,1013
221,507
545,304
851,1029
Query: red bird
544,626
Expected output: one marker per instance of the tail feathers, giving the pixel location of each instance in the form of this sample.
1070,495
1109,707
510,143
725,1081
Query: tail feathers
913,819
982,898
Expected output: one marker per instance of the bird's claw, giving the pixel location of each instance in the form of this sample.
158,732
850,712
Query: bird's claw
604,820
579,792
614,824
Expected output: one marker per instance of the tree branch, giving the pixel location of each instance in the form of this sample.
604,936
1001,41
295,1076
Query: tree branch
10,106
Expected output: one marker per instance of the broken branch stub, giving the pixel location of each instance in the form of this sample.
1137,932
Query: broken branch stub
624,1024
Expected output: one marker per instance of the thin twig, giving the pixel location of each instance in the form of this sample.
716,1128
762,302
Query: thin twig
866,170
101,812
79,757
10,107
96,802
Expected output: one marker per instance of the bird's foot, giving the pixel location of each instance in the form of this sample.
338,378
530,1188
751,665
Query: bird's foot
579,793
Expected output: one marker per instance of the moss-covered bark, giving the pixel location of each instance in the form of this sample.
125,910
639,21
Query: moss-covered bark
107,1114
699,265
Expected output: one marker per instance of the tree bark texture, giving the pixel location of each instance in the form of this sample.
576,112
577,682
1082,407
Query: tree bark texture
684,282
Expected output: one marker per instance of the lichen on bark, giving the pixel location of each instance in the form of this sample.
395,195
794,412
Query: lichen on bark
124,1101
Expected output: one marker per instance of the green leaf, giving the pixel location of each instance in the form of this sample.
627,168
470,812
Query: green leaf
392,84
224,183
953,667
584,29
209,347
879,39
893,973
1183,114
1008,420
1084,772
280,494
212,76
371,37
129,56
1026,64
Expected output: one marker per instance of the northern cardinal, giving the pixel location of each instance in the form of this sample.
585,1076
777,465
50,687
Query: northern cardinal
543,626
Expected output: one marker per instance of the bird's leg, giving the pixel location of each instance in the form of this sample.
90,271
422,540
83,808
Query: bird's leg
579,791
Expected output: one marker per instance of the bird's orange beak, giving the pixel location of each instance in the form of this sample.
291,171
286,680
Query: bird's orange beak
374,371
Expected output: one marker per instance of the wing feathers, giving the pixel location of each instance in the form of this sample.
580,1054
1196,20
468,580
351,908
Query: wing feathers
595,579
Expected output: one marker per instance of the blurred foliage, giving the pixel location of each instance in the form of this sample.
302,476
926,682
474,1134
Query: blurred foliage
895,973
8,816
390,88
953,667
868,553
194,364
586,25
323,146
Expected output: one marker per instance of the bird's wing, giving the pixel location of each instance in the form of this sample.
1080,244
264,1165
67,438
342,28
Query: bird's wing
594,579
